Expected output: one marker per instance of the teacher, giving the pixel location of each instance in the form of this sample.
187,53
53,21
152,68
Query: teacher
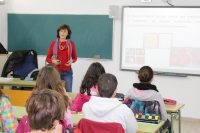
62,53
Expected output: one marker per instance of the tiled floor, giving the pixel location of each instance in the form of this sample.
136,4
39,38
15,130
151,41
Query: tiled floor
187,126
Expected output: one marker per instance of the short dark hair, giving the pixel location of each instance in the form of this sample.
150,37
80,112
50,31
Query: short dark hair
43,108
62,27
107,84
145,74
91,77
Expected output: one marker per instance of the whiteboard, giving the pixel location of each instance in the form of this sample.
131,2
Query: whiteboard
164,38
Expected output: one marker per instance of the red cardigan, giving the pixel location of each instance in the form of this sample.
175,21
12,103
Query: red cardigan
62,56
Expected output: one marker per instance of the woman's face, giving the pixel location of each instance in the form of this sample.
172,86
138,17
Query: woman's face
63,33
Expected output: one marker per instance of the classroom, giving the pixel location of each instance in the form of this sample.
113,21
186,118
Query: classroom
183,89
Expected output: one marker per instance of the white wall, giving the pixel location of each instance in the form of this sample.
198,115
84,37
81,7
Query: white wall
3,23
184,90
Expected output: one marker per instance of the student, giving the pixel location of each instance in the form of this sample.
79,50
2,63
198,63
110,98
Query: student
88,85
48,77
106,108
8,120
145,91
45,108
62,53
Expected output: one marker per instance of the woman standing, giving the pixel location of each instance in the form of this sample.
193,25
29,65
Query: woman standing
62,53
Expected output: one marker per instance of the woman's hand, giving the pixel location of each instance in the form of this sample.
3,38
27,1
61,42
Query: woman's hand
56,62
69,62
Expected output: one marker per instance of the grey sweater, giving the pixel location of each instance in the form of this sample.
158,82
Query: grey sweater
149,95
110,110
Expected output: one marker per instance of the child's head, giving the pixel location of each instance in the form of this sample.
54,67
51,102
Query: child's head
145,74
107,85
91,77
49,77
45,107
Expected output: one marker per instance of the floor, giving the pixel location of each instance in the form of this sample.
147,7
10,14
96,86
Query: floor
187,126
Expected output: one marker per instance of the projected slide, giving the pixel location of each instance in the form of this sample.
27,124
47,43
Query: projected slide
165,38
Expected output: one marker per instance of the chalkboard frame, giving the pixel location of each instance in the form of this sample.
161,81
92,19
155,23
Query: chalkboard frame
92,34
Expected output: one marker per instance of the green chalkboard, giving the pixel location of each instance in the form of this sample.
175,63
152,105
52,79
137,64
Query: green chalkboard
92,34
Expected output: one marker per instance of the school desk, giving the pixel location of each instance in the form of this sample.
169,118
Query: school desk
142,127
19,111
24,83
175,110
72,95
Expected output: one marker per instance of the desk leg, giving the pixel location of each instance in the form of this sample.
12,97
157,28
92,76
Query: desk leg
179,121
172,122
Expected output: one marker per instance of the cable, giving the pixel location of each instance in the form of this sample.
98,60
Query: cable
169,4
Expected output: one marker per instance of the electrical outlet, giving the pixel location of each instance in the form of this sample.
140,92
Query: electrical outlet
146,0
166,0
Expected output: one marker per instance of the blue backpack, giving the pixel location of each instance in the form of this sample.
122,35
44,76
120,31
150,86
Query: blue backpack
145,111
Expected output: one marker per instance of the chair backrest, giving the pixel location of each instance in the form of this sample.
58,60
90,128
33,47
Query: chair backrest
17,97
88,126
27,67
146,111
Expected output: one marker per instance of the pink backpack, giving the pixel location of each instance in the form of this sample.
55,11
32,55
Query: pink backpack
24,127
78,102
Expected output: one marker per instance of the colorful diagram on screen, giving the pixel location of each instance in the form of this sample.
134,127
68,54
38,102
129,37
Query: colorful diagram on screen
135,56
185,57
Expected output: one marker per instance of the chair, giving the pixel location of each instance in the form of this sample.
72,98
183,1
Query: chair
89,126
17,97
21,63
26,68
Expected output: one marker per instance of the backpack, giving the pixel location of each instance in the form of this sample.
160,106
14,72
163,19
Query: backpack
145,111
34,75
3,50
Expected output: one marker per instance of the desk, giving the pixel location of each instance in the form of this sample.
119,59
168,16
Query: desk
19,111
142,127
149,128
175,110
24,83
72,95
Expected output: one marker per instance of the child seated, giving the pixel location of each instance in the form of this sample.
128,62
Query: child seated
8,120
88,86
45,108
106,108
49,77
145,91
